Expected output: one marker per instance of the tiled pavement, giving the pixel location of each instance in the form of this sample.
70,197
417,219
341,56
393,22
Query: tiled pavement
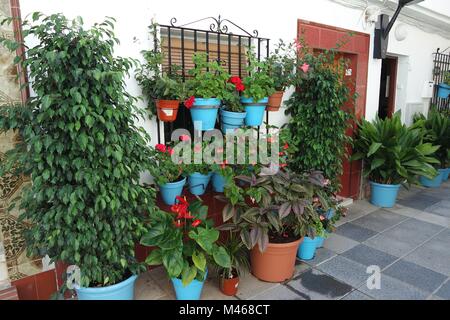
410,243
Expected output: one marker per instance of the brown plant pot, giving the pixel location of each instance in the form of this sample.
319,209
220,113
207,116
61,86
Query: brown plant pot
229,287
275,101
167,109
276,263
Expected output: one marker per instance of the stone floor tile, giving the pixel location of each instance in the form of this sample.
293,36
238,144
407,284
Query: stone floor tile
379,220
355,232
434,255
421,215
322,254
147,289
338,243
300,267
391,245
250,286
418,276
357,295
315,285
345,270
444,291
442,208
358,209
368,256
393,289
211,290
281,292
419,201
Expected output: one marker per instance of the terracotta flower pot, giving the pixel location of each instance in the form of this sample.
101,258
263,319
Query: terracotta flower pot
276,263
275,101
167,110
229,287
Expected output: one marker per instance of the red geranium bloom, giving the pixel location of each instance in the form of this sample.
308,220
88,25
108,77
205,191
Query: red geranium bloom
181,208
196,222
160,147
281,153
286,146
169,150
189,102
185,137
235,80
240,87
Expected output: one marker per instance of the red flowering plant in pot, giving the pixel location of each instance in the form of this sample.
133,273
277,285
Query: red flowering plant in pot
168,175
232,112
273,226
185,242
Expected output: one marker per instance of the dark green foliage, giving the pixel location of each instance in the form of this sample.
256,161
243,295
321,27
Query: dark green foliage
81,149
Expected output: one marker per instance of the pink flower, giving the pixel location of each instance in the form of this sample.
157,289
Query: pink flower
298,45
197,148
169,150
160,147
305,67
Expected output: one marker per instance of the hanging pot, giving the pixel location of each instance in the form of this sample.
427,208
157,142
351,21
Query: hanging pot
167,109
204,113
443,90
231,120
198,183
171,190
275,100
254,110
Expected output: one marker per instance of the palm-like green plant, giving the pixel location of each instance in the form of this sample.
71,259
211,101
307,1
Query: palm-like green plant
394,153
437,132
238,256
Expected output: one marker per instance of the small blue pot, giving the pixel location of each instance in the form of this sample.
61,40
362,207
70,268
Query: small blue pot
204,113
329,214
307,248
171,190
446,174
218,182
383,195
320,241
120,291
198,183
231,120
255,111
192,291
433,183
443,90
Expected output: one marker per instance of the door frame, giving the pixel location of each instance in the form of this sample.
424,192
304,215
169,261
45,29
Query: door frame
322,36
393,61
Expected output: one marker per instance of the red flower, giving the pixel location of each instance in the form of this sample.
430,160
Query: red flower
196,222
281,153
286,146
178,223
223,164
181,208
185,137
160,147
189,102
235,80
240,87
169,150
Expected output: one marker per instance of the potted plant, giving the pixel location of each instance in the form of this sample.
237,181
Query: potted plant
314,240
84,154
239,262
232,112
273,223
206,88
281,66
444,87
436,129
258,87
185,243
167,174
164,89
393,154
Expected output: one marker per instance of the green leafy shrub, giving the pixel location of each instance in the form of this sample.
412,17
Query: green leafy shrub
258,84
320,112
281,65
185,242
392,152
82,150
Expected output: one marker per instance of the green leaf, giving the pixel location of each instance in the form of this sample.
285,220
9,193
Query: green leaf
221,257
154,258
199,260
188,274
373,148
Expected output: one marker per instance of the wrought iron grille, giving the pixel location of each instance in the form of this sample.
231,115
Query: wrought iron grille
180,42
441,66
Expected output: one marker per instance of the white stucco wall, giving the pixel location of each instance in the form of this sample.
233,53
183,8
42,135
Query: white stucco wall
272,21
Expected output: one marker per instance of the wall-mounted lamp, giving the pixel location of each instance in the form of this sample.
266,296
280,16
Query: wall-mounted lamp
383,27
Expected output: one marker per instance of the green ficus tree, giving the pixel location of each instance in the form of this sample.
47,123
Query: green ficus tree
320,113
81,148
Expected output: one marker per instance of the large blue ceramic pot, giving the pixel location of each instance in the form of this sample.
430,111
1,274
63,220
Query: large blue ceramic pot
254,110
435,182
204,113
192,291
171,190
383,195
120,291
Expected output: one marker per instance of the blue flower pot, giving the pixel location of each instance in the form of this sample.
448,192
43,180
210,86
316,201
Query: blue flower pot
329,214
433,183
443,90
171,190
231,120
192,291
120,291
307,248
320,241
383,195
218,182
198,183
255,111
204,113
446,174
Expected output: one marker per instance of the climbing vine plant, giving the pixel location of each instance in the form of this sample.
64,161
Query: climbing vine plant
81,148
321,111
